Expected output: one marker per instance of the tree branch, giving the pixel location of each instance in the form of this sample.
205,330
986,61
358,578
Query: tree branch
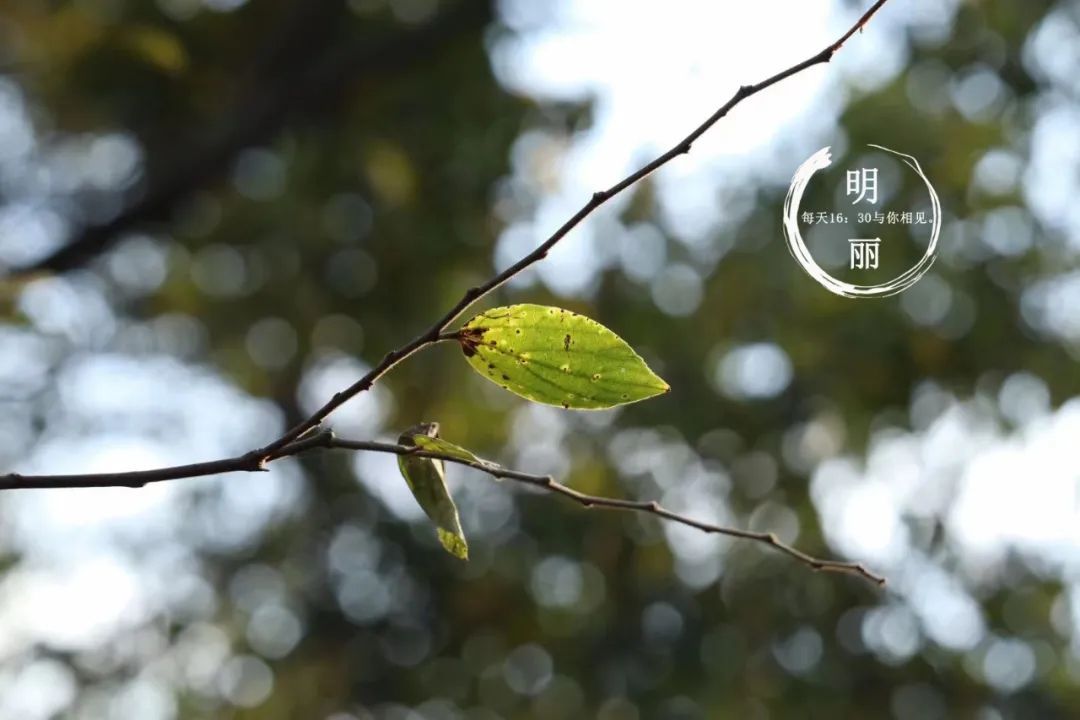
134,478
648,507
327,440
300,438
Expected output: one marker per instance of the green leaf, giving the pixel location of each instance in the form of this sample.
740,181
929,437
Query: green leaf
554,356
426,478
449,449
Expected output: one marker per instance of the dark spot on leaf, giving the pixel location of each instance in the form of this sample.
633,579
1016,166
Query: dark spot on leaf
625,396
566,406
506,377
469,339
566,342
517,332
491,366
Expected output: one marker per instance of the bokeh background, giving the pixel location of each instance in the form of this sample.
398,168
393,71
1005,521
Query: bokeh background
233,209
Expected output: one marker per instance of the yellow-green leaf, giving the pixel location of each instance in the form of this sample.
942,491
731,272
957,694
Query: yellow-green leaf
554,356
449,449
426,478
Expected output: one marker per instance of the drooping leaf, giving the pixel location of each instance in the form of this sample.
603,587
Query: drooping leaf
426,478
554,356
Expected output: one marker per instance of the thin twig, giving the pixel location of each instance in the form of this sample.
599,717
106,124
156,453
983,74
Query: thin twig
134,478
327,440
434,333
649,507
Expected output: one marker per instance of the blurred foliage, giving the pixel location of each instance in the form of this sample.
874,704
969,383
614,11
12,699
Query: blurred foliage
357,165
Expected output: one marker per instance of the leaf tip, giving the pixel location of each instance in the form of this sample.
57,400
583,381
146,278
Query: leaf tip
660,385
454,544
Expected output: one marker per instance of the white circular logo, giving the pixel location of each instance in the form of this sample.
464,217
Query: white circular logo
863,251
